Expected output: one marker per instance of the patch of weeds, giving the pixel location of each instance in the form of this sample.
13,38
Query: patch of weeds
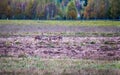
51,45
71,34
40,65
109,42
5,35
109,35
36,32
63,33
27,33
81,34
17,42
103,34
1,34
116,34
107,66
41,43
77,33
8,43
95,34
6,55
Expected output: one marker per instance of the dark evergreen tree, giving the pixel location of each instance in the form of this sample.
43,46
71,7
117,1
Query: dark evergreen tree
115,9
86,2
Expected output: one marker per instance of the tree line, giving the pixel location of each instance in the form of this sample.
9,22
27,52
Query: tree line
60,9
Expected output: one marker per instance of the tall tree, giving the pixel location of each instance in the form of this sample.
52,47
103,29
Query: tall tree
86,2
96,9
3,8
30,9
115,8
71,10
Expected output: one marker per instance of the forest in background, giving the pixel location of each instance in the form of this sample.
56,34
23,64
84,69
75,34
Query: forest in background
59,9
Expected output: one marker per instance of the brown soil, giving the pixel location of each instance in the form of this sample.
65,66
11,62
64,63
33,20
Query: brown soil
104,48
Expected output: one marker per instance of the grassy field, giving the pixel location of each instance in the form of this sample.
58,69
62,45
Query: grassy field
39,66
12,63
64,23
55,65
